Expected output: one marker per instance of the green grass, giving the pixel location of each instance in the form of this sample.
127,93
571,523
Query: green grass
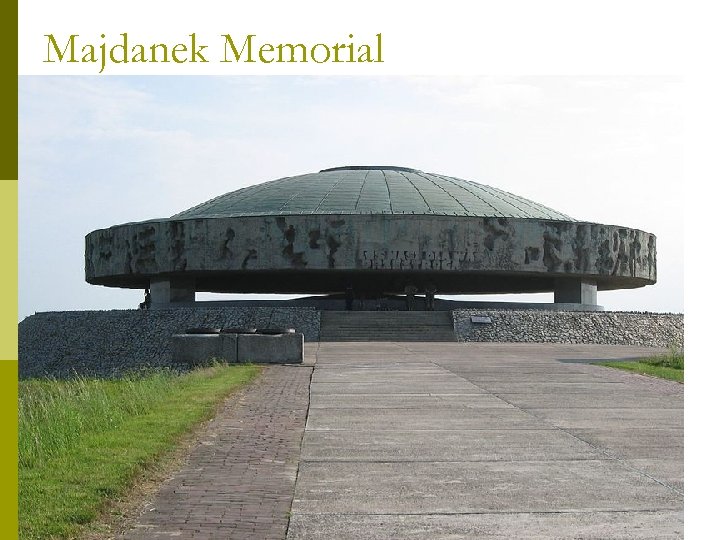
668,366
83,442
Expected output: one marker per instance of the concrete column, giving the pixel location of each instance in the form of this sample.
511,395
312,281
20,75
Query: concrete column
172,291
575,291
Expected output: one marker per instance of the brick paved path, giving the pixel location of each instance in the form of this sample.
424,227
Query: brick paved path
239,480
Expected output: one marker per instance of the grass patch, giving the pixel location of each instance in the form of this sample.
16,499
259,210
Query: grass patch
669,366
84,441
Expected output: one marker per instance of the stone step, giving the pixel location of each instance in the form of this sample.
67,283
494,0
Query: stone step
408,339
387,326
390,331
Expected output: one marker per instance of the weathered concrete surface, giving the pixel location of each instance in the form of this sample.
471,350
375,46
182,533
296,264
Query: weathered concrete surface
110,343
612,418
449,443
383,387
378,227
195,349
420,419
282,348
319,253
477,487
516,525
198,349
398,445
406,401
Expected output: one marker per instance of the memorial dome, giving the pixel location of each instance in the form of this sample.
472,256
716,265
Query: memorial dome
372,190
376,229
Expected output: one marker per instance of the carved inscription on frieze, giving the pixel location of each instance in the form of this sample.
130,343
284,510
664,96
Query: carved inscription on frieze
393,259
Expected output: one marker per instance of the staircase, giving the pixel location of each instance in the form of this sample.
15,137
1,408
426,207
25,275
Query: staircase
386,326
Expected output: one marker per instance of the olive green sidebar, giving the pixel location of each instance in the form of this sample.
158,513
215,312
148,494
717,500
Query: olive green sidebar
8,269
9,92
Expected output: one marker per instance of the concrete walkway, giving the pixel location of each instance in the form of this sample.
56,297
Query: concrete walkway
458,440
435,441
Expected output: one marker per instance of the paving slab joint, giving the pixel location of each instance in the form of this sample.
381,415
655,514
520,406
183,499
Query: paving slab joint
302,441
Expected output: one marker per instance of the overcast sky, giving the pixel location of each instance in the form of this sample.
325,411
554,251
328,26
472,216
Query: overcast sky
96,152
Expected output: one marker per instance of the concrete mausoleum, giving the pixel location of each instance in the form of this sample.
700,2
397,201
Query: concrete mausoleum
374,231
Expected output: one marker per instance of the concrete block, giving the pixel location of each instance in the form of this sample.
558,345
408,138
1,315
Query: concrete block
575,290
195,349
270,349
227,347
168,292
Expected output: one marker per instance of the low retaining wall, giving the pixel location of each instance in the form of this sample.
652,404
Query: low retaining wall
196,349
603,327
108,343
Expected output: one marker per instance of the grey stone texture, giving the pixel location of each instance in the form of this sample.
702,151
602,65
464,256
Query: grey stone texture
370,231
112,342
577,291
108,343
516,525
319,253
435,464
199,349
601,327
539,454
196,349
387,326
272,349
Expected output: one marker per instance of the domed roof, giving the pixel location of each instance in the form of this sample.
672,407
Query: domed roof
371,190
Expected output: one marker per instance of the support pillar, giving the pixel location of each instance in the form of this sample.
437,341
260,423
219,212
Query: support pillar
172,292
575,291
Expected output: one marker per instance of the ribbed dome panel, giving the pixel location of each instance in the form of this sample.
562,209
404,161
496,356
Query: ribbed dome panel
372,190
